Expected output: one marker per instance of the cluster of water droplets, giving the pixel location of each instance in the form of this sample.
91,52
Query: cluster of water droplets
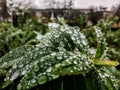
77,63
53,26
107,77
50,58
62,35
101,44
10,58
100,36
41,72
26,62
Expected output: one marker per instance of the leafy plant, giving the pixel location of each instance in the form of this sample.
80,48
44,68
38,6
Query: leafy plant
11,37
61,53
112,37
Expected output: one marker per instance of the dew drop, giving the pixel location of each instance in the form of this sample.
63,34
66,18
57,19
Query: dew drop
15,75
75,62
84,42
106,75
23,72
62,29
71,71
33,81
36,68
82,36
69,31
14,66
78,41
57,65
49,69
59,57
46,44
75,68
53,54
42,79
73,38
20,66
56,35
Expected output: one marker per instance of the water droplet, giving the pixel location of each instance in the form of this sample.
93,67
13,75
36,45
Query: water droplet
69,31
49,69
106,75
71,71
80,68
36,68
84,74
42,79
75,62
62,29
78,41
57,65
56,35
23,72
28,84
15,75
59,57
40,52
84,42
73,38
20,66
82,36
68,61
46,44
36,48
74,68
33,81
14,66
52,26
53,54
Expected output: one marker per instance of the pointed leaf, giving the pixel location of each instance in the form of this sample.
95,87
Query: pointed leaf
106,63
101,44
108,78
76,64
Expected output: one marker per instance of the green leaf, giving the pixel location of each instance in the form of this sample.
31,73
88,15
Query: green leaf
76,64
26,62
93,81
101,78
14,56
106,63
41,71
101,44
107,77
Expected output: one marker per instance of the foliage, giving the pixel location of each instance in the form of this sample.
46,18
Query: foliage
75,20
113,41
112,37
11,37
63,52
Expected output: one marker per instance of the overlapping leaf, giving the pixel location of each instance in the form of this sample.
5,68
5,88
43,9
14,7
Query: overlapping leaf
74,65
101,79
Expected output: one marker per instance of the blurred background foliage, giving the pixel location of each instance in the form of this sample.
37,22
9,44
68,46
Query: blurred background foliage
25,32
